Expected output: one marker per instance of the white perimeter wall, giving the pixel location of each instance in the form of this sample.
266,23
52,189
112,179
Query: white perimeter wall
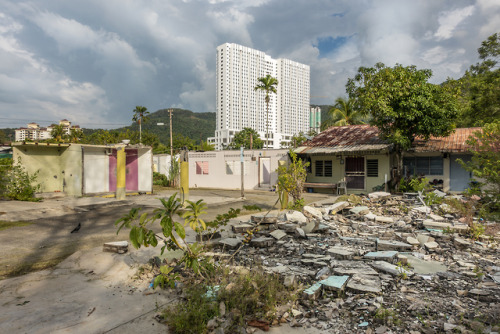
145,169
95,170
224,168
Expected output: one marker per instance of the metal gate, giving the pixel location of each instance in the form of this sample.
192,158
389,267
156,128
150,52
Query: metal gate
355,172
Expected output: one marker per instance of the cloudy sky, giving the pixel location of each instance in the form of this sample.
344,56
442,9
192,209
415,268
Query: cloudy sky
93,61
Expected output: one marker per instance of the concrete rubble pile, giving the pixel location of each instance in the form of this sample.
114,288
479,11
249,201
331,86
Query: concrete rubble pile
388,264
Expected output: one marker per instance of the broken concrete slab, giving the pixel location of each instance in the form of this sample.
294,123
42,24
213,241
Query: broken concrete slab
370,216
358,241
313,291
461,243
264,219
431,245
424,267
382,255
339,206
382,219
361,283
386,245
412,241
230,243
241,228
334,283
352,267
341,253
390,268
421,209
278,234
310,227
360,210
379,195
436,217
313,212
295,217
300,232
423,238
262,242
119,247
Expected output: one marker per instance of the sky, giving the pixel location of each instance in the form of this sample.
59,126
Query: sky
93,61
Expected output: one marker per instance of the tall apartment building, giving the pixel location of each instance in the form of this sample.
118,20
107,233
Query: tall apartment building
239,106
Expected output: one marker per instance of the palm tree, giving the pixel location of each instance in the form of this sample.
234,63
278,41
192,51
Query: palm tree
342,113
267,84
140,113
58,132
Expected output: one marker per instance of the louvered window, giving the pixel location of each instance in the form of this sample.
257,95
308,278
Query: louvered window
372,167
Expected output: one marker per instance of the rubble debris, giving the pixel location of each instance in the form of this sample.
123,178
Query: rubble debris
119,247
381,264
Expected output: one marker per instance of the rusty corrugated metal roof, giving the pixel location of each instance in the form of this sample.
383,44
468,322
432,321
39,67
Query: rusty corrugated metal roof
456,142
349,138
364,138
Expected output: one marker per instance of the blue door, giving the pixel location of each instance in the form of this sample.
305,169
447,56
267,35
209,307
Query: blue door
459,177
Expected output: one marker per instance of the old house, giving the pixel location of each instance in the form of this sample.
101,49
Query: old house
354,159
78,169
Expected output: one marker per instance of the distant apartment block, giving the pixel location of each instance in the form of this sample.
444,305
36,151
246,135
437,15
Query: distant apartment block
34,132
239,105
315,120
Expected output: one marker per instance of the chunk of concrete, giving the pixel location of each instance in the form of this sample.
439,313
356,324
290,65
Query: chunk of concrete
439,193
313,212
360,210
242,228
278,234
412,241
264,219
436,217
431,224
119,247
262,242
295,217
431,245
390,268
352,268
361,283
423,238
310,227
334,283
313,291
425,267
421,209
230,243
461,243
382,219
300,232
378,195
370,216
340,253
383,255
339,206
385,245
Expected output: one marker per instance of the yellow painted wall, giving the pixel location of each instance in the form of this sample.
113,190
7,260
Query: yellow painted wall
338,172
33,158
71,164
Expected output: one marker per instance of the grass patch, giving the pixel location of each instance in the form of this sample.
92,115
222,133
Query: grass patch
245,295
29,267
5,225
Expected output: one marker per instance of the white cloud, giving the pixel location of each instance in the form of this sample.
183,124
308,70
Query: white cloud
448,21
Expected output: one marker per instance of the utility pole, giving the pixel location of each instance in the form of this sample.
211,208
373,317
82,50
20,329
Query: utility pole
171,141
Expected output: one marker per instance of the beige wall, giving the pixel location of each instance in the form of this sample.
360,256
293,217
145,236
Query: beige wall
338,172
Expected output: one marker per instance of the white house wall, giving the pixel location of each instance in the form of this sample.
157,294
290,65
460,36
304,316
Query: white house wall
145,169
96,170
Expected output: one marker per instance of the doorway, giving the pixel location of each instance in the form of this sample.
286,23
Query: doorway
355,172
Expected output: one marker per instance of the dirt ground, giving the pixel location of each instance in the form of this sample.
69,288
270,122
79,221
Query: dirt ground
86,290
49,240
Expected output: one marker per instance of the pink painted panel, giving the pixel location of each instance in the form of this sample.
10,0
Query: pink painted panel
112,172
132,162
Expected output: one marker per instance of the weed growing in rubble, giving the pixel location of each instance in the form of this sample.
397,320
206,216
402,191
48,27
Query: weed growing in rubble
174,235
403,270
432,199
467,209
245,296
387,316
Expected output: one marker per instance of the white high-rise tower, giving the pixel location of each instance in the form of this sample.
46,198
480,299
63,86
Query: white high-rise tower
240,106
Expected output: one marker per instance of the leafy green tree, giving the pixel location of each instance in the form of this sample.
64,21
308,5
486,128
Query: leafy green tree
58,132
246,138
479,100
3,137
206,146
267,84
485,163
403,105
140,116
343,113
75,135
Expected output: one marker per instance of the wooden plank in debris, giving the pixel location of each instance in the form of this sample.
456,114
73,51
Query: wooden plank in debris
119,247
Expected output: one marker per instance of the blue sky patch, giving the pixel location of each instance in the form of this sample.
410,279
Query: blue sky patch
327,45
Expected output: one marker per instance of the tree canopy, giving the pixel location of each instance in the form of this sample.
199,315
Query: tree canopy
244,137
343,113
402,103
